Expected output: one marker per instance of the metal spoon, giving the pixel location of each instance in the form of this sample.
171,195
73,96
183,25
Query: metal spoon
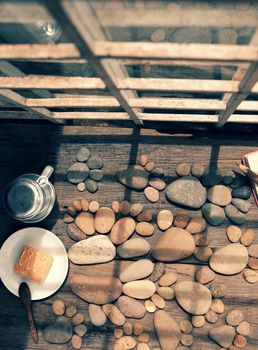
25,296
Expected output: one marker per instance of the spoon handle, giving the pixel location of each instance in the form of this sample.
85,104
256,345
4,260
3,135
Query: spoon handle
33,330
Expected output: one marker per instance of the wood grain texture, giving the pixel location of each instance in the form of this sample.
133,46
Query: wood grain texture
28,148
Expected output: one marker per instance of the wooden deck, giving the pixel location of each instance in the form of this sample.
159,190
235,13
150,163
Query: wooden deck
28,148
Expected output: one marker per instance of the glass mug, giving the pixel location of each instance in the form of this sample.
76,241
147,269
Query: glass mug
30,197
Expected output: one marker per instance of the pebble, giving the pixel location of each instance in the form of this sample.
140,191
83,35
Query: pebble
197,170
144,337
122,230
143,159
234,233
91,186
133,248
115,207
166,293
58,307
96,175
243,192
77,205
130,307
97,316
230,259
83,154
70,311
95,163
85,222
94,207
196,225
127,328
68,218
187,339
158,301
149,166
198,321
159,270
75,233
168,279
137,270
167,330
138,328
136,209
183,169
71,211
124,343
187,191
151,194
214,214
164,219
228,177
204,275
250,276
78,319
157,172
144,229
146,215
253,250
143,289
238,180
150,306
219,195
248,237
85,286
240,341
104,220
80,330
76,342
241,204
124,208
211,317
181,219
81,187
222,335
234,317
218,290
217,306
134,176
94,250
193,297
143,346
201,240
114,314
253,263
60,332
243,328
211,178
84,204
203,253
78,172
186,326
118,333
172,245
235,215
157,183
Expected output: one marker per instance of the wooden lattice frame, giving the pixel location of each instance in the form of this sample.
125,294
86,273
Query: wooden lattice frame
89,44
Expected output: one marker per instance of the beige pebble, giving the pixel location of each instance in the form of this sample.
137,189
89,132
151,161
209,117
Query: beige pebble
234,317
151,194
217,306
168,279
146,215
157,183
211,317
143,159
164,219
201,239
138,328
70,311
197,170
183,169
234,233
243,328
122,230
78,319
166,293
80,330
94,206
77,205
76,342
68,218
118,333
142,289
85,222
187,339
253,263
149,166
247,237
81,186
85,204
186,326
136,270
124,208
97,316
144,337
253,250
115,207
104,220
128,328
250,276
158,301
204,275
181,219
144,229
58,307
240,341
114,314
136,209
198,321
71,211
150,306
196,225
158,35
125,342
203,253
143,346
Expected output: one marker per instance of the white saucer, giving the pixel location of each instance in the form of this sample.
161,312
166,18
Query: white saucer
43,240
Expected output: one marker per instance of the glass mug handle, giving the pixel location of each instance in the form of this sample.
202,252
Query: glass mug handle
45,175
